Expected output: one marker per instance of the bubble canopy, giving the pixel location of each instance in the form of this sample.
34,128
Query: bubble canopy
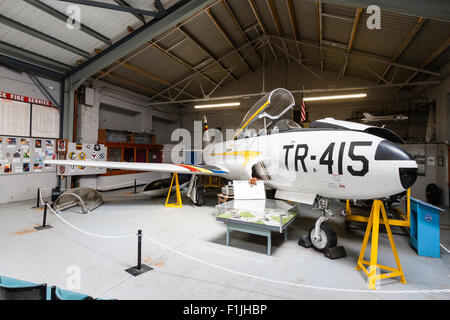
265,111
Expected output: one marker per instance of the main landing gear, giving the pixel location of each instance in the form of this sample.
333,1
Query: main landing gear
321,235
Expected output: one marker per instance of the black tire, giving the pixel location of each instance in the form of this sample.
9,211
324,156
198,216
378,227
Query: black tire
270,193
347,226
432,193
328,238
200,197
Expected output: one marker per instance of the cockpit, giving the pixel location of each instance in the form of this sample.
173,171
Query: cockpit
265,117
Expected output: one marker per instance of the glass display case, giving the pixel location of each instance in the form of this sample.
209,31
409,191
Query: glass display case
271,214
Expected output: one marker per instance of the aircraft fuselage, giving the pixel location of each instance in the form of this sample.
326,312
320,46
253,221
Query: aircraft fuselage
340,164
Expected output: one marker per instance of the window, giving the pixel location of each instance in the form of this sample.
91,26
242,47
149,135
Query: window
128,155
131,152
141,155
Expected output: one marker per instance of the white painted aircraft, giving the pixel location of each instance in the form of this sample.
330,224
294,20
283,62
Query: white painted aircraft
371,118
331,160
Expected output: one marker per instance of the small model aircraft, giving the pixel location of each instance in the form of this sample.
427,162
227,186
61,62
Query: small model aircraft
332,159
371,118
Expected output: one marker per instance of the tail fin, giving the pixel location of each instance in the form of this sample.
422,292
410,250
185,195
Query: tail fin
205,133
368,115
205,136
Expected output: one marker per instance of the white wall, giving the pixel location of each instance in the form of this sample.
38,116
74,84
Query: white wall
119,109
292,77
295,77
18,187
441,94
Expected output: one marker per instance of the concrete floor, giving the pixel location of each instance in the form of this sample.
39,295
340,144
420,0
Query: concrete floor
44,256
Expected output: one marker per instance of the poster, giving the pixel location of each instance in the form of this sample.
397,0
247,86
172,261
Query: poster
20,155
82,152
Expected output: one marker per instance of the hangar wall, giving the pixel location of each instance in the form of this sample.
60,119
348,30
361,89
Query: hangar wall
293,76
120,109
441,94
24,186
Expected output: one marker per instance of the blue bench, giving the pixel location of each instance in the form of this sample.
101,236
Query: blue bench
14,289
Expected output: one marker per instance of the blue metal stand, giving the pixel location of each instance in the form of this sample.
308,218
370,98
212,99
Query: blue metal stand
425,232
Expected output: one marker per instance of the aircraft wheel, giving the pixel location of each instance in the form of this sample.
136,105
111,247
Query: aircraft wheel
327,238
347,226
270,194
200,197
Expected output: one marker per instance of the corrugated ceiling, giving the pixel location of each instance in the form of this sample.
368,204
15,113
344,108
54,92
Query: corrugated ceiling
183,55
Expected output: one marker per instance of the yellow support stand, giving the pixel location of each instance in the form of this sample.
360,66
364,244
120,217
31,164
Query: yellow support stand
403,222
178,204
374,223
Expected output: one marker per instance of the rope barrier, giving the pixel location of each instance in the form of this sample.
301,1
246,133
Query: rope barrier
103,188
87,232
290,283
247,274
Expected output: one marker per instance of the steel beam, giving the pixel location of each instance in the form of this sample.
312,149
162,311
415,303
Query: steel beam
276,20
129,82
261,25
294,25
125,4
303,65
433,9
62,17
105,5
430,58
36,68
175,14
227,38
351,40
335,16
43,89
334,47
40,35
319,26
300,91
205,50
145,73
238,26
33,58
206,65
405,43
182,62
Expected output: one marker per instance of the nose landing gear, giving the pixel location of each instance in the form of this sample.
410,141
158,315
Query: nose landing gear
322,236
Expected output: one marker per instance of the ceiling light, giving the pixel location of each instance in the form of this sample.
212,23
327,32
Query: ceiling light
344,96
219,105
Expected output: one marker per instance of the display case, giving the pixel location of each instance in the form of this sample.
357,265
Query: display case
126,146
271,214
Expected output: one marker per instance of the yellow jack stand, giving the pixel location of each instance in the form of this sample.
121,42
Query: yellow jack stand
374,222
178,204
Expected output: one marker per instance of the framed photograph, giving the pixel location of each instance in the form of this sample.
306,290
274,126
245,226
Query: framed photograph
61,145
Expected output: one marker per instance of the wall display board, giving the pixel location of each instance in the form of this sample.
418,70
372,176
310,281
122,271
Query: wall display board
19,155
28,116
79,151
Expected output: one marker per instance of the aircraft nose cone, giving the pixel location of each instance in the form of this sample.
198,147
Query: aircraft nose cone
408,176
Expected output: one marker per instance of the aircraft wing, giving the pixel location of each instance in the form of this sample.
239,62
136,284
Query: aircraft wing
156,167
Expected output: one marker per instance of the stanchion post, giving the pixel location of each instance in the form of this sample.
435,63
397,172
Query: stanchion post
44,220
135,187
139,268
139,264
38,198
